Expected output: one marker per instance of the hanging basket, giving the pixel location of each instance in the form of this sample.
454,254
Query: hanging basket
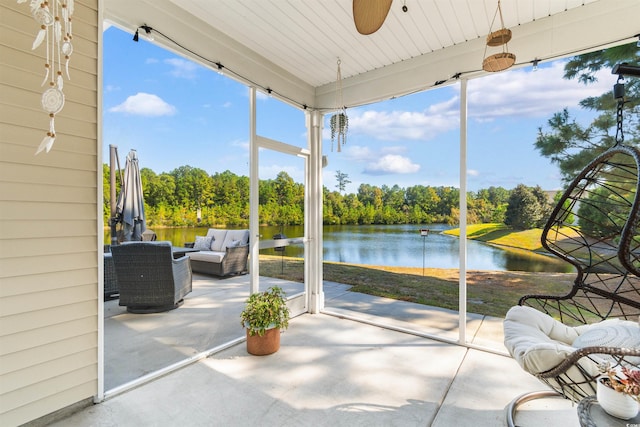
499,37
339,126
498,62
339,122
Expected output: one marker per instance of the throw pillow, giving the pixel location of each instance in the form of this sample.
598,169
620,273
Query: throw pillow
611,333
202,243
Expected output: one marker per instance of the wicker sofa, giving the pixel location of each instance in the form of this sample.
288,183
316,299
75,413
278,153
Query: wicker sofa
221,252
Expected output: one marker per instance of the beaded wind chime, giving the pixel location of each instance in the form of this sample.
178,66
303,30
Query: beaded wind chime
54,18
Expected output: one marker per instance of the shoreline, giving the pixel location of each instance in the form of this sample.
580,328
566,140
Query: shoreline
449,274
489,292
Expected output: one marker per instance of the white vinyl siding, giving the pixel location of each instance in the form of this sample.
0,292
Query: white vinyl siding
48,223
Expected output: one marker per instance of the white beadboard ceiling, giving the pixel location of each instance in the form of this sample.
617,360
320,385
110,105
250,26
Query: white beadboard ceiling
291,46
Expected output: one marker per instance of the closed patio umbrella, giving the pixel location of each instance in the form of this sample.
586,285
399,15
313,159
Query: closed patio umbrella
130,207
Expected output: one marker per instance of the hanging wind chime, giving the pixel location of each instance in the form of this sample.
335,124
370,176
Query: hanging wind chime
54,18
503,60
339,121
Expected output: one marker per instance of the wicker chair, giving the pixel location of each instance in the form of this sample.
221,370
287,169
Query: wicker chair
110,279
150,280
594,227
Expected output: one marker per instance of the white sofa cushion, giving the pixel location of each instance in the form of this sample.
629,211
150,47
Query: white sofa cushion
219,236
208,256
233,236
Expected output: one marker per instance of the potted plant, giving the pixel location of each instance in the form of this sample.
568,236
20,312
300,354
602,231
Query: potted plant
339,123
618,391
264,315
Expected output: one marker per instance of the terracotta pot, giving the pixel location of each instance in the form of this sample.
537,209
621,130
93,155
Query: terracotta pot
614,403
262,345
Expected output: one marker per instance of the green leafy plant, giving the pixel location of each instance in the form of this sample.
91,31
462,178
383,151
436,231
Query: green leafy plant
339,126
265,310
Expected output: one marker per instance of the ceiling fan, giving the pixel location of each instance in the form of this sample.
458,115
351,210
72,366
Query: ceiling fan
369,15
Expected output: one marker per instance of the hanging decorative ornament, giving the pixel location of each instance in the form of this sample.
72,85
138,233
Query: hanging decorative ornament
67,50
339,122
503,60
52,100
54,18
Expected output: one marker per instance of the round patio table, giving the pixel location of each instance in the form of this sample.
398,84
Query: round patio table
592,415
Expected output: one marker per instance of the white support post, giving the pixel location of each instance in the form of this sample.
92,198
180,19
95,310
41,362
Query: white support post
99,396
254,200
313,214
462,300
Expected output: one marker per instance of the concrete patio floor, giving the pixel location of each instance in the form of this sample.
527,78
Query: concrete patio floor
333,370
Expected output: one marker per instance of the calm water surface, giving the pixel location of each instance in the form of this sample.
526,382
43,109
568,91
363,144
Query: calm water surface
403,245
396,245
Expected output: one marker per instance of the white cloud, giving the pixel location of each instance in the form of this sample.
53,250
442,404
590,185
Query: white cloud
473,172
182,68
144,104
395,149
402,125
391,164
517,93
524,93
386,161
244,144
358,153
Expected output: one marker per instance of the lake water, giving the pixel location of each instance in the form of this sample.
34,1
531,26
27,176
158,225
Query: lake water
396,245
405,246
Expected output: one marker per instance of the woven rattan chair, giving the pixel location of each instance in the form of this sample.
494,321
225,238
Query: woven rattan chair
110,279
150,280
594,227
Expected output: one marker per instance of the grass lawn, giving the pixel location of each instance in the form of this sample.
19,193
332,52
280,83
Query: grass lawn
491,293
500,234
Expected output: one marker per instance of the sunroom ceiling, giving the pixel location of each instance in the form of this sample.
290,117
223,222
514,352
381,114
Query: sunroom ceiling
291,46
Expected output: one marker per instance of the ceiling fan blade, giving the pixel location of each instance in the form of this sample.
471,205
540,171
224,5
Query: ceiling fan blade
369,15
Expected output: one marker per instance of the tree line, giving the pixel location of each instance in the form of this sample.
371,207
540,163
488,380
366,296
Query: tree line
189,196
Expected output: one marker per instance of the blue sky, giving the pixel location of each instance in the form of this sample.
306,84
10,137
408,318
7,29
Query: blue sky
175,113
